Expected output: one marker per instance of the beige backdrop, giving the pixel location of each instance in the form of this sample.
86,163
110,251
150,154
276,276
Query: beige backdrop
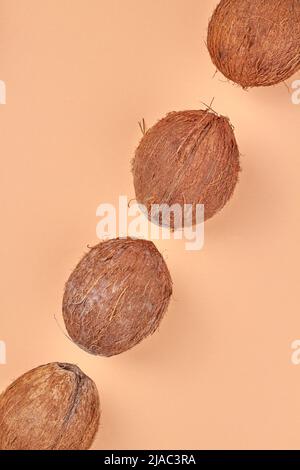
80,74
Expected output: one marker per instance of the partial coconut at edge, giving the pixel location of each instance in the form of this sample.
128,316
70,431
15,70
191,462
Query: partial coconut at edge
188,157
255,43
116,296
52,407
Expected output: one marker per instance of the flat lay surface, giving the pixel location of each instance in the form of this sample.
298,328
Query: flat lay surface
79,77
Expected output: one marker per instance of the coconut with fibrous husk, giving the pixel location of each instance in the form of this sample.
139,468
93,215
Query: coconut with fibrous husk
255,42
116,296
52,407
187,159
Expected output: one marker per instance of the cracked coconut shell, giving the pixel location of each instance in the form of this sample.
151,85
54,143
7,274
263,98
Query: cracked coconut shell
255,42
52,407
188,157
116,296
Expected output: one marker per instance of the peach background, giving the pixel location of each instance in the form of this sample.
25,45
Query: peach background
80,75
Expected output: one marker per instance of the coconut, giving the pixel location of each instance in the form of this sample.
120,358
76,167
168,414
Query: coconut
52,407
255,42
116,296
187,158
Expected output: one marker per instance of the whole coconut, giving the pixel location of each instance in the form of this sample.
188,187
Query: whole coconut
256,42
188,157
52,407
116,296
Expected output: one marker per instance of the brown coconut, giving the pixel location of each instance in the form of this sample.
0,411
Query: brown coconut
188,157
256,42
116,296
52,407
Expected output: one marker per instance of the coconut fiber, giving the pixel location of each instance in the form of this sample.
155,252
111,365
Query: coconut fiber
256,42
188,157
52,407
116,296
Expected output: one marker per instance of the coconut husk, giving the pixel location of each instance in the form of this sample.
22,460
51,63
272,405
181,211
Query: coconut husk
116,296
52,407
188,157
255,42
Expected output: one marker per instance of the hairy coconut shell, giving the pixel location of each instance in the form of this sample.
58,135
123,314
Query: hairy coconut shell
188,157
52,407
256,42
116,296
